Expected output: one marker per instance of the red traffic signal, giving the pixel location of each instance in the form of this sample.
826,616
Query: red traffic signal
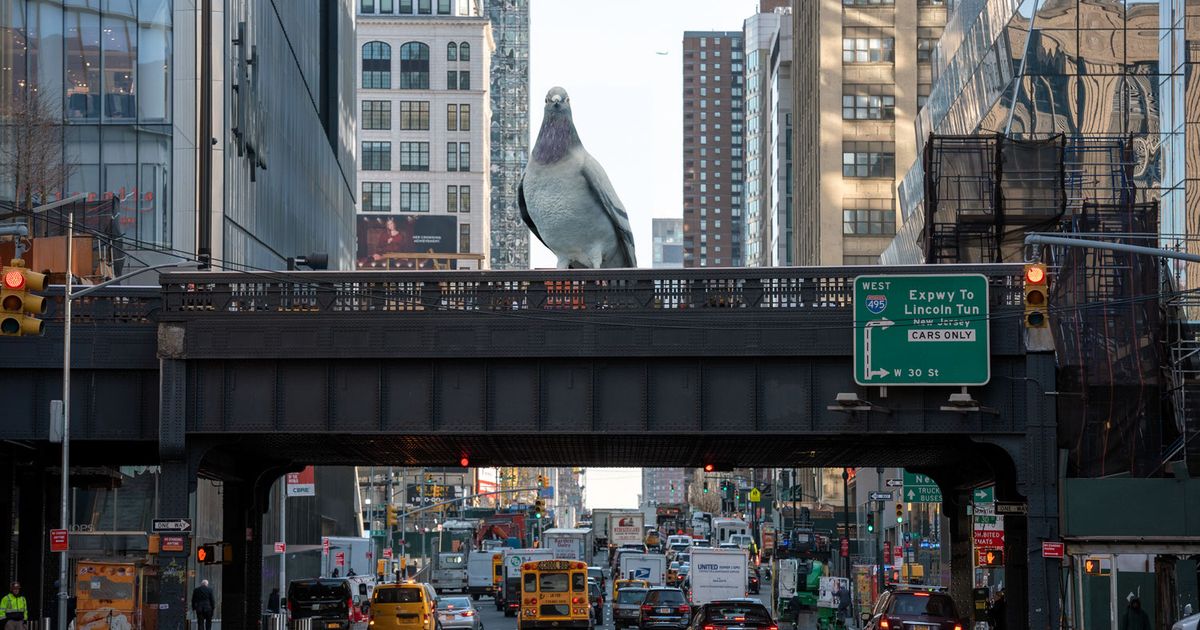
1037,311
19,308
464,462
708,467
206,554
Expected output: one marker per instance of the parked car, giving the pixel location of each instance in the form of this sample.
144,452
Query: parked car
726,614
664,607
457,613
408,606
907,607
596,598
627,606
329,602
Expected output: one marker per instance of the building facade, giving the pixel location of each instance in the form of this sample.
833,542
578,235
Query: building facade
668,243
760,31
425,135
713,153
510,130
249,158
779,218
862,70
661,486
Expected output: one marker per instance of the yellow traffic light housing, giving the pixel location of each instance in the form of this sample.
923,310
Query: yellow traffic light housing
538,507
392,521
1037,296
18,307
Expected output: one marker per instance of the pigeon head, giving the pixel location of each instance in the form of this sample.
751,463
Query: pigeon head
557,135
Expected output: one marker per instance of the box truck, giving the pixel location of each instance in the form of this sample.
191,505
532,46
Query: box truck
625,528
569,543
651,567
508,598
718,574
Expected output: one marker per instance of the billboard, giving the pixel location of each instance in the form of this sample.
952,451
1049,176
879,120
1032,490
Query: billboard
389,241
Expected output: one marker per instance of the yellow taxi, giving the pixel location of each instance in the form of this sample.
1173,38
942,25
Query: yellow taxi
620,584
406,606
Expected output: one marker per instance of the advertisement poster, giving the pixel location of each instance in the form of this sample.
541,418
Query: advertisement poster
302,484
398,241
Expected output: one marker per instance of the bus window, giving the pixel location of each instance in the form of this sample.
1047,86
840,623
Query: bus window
554,583
579,582
530,583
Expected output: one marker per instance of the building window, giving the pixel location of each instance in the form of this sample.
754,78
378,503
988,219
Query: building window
464,119
923,90
458,156
414,115
452,117
925,47
377,197
451,198
458,79
424,7
377,156
869,159
464,54
406,7
451,52
414,197
414,156
868,102
868,45
464,238
443,7
376,66
385,6
464,199
867,3
414,66
367,6
377,115
868,217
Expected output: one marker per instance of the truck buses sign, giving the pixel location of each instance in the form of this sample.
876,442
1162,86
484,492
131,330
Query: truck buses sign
921,330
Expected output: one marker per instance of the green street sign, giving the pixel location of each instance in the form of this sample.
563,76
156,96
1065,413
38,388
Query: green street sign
984,495
921,489
921,330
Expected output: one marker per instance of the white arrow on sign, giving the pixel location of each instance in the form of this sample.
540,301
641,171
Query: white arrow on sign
980,494
868,373
911,495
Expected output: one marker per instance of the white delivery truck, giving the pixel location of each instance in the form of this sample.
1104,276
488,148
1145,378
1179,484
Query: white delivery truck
479,572
718,574
651,567
509,597
449,572
569,543
723,528
625,528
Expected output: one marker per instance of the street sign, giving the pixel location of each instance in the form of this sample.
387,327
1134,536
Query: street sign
58,540
989,538
887,551
1053,550
172,543
755,495
280,547
921,330
894,483
881,496
387,554
984,495
1012,508
845,547
339,558
921,489
179,525
325,546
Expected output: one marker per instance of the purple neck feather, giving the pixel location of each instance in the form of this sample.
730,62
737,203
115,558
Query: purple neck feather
555,138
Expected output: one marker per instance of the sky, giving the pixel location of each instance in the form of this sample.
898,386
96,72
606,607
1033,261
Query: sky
627,97
612,487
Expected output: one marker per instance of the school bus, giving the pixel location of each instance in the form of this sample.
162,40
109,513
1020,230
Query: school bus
554,594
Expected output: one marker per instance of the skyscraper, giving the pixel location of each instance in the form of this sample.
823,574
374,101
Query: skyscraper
668,243
862,70
510,130
762,33
425,132
713,122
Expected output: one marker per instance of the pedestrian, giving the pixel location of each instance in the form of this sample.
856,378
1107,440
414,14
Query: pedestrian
843,597
203,603
1135,618
336,573
273,601
999,610
14,608
351,572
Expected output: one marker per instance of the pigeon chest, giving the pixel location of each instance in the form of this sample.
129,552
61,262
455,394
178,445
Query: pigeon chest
565,210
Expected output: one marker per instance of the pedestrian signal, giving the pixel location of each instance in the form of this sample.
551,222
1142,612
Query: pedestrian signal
1097,566
990,558
18,307
1037,307
207,554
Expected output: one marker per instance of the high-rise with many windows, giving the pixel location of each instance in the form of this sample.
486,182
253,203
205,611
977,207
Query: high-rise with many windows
424,135
713,158
862,70
510,130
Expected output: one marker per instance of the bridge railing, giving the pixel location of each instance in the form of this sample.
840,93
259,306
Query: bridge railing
191,294
114,304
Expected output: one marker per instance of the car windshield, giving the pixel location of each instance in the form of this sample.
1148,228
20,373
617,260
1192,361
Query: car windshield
593,588
454,603
321,590
592,572
631,596
665,596
408,595
736,612
934,605
674,565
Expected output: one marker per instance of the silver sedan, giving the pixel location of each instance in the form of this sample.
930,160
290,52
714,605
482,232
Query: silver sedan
457,613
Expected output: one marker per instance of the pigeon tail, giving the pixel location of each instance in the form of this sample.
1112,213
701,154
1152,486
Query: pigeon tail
556,137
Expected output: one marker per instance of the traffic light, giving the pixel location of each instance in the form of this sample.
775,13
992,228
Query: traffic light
541,481
18,307
538,507
1037,307
705,487
391,516
899,512
870,522
207,554
464,461
718,467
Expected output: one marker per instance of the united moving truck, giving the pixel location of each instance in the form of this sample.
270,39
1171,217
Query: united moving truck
717,574
569,544
509,598
651,567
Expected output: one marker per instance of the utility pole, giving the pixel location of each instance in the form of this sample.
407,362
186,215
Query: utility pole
846,518
879,531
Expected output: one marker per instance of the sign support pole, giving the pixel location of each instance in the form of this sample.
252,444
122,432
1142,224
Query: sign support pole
879,531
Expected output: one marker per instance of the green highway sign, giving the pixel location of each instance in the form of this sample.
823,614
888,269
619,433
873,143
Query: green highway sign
921,489
921,330
984,495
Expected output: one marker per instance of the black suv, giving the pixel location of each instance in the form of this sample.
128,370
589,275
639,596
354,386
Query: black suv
664,608
327,601
733,614
908,607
